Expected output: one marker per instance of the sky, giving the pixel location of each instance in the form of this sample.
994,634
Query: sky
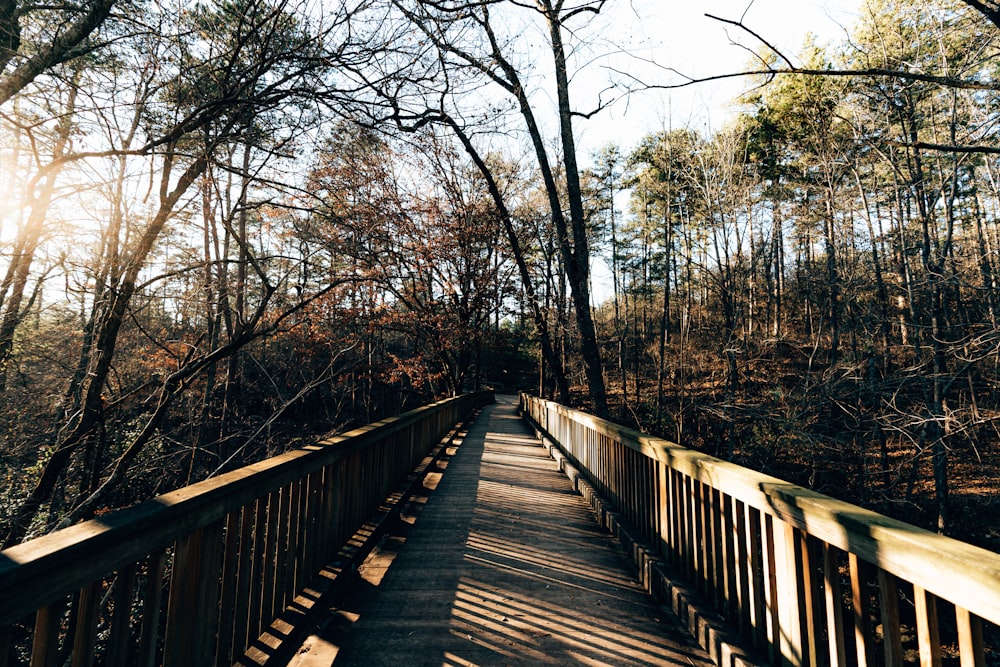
677,34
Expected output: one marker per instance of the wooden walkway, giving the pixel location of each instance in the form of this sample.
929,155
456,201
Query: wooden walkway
498,562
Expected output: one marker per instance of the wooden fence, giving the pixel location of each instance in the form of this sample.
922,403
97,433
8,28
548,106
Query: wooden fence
195,576
806,579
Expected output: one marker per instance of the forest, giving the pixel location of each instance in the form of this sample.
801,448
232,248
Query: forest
227,227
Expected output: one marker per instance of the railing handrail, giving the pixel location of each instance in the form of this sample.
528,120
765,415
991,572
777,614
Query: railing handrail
787,568
44,569
959,572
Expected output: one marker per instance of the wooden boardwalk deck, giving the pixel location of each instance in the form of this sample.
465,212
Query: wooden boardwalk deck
498,562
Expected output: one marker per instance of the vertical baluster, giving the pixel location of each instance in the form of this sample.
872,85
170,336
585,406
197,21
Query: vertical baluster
656,491
860,579
970,638
758,578
672,512
120,639
690,539
716,576
730,550
269,564
45,643
85,636
152,604
743,570
892,641
834,606
244,585
311,532
292,545
642,498
787,577
336,526
808,589
192,609
327,528
230,586
664,529
281,553
677,512
928,637
773,625
258,570
701,536
6,634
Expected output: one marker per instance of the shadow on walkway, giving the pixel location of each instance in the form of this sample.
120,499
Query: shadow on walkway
497,562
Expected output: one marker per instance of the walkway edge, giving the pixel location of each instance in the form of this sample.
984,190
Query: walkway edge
724,647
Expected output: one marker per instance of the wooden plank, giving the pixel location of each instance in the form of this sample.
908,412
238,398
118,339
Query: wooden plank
892,641
85,636
833,594
928,636
120,648
970,639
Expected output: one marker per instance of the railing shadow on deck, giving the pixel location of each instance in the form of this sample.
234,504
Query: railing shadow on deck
802,577
514,586
199,575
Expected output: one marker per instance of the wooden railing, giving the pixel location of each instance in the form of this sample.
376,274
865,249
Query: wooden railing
805,578
195,576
